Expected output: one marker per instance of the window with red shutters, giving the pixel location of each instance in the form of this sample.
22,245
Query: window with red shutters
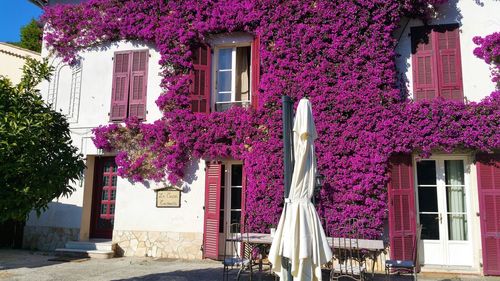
488,174
200,80
402,212
129,87
437,69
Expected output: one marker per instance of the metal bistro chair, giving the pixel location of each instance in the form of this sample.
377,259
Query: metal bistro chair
234,253
348,259
405,266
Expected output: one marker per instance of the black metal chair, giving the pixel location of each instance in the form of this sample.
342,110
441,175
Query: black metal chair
405,266
234,251
348,259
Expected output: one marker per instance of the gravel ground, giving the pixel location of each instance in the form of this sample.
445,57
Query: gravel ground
39,266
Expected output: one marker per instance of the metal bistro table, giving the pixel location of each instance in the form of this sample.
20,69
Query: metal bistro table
373,247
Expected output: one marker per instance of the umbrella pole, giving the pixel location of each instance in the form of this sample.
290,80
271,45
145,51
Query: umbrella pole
288,158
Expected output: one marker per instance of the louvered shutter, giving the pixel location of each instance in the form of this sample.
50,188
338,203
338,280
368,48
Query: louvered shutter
120,87
255,71
212,208
402,212
449,63
138,84
200,77
425,81
488,175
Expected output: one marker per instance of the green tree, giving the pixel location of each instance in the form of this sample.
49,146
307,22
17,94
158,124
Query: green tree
31,36
37,160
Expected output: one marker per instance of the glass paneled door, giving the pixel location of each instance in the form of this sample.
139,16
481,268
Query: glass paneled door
443,211
231,199
103,198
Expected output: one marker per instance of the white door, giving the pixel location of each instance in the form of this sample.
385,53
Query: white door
444,212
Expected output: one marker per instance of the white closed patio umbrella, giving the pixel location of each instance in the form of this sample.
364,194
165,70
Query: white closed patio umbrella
299,235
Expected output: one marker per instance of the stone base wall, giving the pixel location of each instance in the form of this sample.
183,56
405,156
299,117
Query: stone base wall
46,238
158,244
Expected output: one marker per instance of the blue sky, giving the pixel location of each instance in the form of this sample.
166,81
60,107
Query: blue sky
13,15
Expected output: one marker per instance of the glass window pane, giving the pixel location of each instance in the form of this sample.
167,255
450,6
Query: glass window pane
222,192
454,172
221,221
224,82
114,179
236,175
112,209
430,226
457,225
225,58
113,194
223,176
426,172
104,209
235,216
106,167
455,198
104,195
427,199
236,198
105,181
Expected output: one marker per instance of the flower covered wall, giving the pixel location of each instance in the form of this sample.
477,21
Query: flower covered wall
340,54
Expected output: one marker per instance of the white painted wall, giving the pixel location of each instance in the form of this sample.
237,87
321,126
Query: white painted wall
12,59
136,206
136,203
474,20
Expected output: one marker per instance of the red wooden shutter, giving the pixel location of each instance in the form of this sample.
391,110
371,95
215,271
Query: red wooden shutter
449,63
488,175
200,77
120,87
425,81
138,84
255,71
402,223
212,208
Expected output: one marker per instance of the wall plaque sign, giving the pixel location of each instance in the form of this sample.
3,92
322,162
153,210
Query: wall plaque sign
168,198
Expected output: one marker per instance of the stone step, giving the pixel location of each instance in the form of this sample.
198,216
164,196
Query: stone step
95,254
90,245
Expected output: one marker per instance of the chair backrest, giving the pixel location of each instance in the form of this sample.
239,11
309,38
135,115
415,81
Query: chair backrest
345,248
235,234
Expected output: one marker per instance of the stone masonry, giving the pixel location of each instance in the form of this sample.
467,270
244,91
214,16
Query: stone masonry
46,238
158,244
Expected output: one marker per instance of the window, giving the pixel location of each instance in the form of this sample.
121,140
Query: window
232,77
437,70
226,74
128,98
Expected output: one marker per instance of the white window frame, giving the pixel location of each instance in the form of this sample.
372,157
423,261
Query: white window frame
233,41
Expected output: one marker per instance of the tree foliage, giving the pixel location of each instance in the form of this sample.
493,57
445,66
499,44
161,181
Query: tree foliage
37,159
31,36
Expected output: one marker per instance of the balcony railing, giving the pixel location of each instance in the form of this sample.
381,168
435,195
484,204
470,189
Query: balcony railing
223,106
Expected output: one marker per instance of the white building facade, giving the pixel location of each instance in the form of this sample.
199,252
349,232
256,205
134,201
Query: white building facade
445,187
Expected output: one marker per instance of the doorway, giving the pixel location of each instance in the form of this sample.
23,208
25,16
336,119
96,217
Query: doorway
231,199
443,209
103,198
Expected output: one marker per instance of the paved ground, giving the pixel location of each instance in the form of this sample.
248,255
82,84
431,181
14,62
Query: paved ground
26,265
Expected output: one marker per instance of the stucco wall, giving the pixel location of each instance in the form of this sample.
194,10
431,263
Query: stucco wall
136,203
12,59
474,19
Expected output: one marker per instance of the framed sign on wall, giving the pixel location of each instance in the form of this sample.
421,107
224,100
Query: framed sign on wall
168,198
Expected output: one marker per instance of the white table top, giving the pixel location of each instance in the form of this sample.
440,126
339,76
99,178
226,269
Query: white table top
365,244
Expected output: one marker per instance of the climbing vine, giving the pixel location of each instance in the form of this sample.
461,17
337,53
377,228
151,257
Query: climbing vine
338,53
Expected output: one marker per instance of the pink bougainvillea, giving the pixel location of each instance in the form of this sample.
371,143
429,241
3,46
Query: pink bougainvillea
489,51
338,53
